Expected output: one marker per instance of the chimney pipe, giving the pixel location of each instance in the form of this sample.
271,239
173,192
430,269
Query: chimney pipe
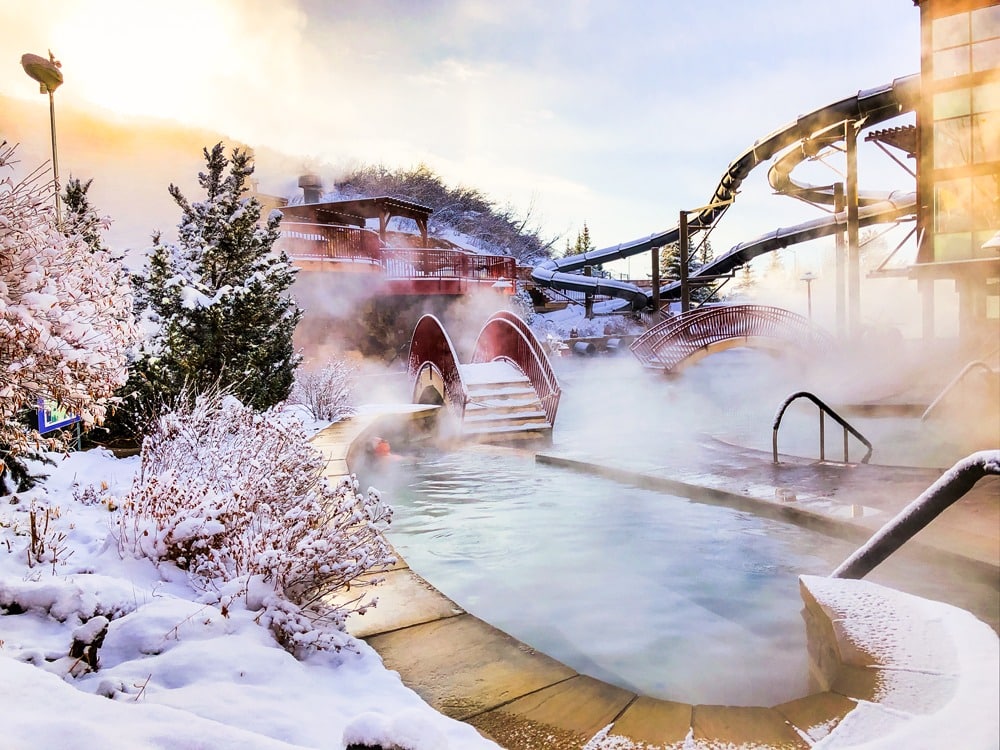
312,188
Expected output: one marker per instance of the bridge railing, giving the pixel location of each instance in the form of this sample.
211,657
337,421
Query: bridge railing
506,336
430,347
666,345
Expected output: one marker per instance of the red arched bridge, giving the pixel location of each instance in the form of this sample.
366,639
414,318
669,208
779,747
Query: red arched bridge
508,390
684,339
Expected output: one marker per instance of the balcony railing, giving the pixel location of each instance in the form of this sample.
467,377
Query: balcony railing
317,242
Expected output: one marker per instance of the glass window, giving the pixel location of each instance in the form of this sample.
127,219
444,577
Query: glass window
986,137
985,56
986,203
986,23
951,104
953,206
951,62
953,246
953,143
986,98
950,31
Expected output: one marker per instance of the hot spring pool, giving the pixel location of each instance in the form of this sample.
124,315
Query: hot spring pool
656,593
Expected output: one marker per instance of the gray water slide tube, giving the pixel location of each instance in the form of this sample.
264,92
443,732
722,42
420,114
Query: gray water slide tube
869,107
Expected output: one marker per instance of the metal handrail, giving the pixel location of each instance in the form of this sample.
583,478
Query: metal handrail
955,382
823,410
948,489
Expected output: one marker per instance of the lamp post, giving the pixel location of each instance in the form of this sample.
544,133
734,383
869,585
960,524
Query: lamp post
49,78
809,277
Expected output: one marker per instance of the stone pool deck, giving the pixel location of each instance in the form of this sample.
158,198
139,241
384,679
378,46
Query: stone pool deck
523,699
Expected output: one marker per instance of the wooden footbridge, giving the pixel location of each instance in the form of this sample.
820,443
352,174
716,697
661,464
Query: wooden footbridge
508,390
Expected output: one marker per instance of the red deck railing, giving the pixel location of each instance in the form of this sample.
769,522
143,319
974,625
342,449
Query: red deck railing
312,242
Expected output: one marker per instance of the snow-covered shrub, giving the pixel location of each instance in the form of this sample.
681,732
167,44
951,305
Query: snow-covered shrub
66,319
325,392
233,495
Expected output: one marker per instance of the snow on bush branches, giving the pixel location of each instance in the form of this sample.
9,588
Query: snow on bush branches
65,316
325,392
237,499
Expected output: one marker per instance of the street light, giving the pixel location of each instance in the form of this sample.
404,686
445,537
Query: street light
49,78
809,277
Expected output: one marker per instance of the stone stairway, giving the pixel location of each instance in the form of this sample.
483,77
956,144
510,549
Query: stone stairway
503,405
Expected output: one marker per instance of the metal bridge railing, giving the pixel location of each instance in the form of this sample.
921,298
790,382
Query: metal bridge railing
823,410
666,345
431,348
506,336
948,489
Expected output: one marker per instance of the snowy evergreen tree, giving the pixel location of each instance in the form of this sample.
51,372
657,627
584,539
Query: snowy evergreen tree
216,301
66,322
670,267
583,243
81,218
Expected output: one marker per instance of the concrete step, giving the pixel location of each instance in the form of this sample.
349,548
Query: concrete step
489,423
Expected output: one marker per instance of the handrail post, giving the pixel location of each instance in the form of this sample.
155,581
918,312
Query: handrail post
845,445
822,436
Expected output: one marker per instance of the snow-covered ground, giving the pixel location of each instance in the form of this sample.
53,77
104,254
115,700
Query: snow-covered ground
178,670
174,670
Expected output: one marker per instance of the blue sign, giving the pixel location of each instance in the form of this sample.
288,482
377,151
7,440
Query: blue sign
51,416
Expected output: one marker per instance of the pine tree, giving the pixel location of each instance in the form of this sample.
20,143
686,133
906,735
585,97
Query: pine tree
583,243
81,218
670,266
217,298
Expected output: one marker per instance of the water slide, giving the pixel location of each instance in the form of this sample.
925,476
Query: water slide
796,139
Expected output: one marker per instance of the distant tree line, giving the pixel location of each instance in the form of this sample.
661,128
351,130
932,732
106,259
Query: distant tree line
494,229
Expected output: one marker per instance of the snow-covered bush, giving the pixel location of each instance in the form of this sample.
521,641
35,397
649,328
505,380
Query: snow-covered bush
237,499
65,319
325,392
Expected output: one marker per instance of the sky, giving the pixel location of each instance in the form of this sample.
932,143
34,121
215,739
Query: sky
617,114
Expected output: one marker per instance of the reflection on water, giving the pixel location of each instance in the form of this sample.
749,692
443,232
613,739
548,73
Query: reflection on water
658,594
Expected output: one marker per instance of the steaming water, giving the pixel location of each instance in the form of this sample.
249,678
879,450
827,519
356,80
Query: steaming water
652,592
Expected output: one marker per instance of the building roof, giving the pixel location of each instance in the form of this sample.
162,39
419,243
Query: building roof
355,212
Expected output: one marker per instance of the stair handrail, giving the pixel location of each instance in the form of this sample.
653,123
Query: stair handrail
950,487
955,382
823,410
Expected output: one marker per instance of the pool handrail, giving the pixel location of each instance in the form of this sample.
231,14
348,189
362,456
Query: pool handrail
950,487
823,410
955,382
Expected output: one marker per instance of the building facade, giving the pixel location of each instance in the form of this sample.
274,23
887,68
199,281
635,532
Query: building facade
958,173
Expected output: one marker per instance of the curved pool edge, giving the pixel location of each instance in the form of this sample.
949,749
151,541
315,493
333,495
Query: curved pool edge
521,698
